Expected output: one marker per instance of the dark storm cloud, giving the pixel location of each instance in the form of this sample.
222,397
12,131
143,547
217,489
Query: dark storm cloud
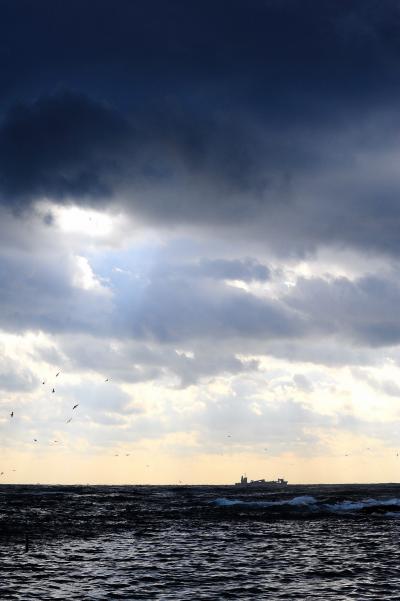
206,114
268,50
69,146
60,146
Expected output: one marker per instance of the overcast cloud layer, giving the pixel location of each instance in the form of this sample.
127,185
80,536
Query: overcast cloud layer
199,203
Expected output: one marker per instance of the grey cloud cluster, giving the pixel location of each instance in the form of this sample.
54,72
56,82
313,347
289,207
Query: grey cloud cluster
140,361
247,270
364,311
15,377
388,387
283,427
196,310
38,293
191,306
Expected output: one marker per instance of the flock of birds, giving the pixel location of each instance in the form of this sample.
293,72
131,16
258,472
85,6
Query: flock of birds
68,421
76,405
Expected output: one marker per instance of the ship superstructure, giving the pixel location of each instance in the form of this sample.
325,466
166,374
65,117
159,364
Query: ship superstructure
279,483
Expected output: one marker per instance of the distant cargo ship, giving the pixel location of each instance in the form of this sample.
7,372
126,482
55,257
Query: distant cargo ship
279,483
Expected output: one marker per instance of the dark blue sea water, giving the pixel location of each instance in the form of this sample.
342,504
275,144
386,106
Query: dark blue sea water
192,543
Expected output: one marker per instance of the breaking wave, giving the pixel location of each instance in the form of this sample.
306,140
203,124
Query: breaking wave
309,504
299,501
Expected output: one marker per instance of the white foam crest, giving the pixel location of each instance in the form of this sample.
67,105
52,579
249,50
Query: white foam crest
303,500
296,501
311,503
357,505
226,502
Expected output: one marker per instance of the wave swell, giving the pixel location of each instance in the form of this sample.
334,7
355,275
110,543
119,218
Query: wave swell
309,504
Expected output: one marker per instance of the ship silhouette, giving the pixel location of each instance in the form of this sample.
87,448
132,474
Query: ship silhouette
279,483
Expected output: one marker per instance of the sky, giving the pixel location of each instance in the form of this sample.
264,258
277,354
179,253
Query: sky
200,233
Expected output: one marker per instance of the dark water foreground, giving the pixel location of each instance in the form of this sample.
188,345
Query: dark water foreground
175,543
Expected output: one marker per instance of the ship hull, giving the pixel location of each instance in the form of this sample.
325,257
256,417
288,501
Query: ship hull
261,485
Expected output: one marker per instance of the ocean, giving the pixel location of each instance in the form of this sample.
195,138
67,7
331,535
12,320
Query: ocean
199,542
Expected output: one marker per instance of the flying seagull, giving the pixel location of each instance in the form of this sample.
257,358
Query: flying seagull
57,374
69,420
35,440
106,380
75,406
12,414
53,390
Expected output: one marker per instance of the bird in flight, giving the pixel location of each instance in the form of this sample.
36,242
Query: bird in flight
44,382
75,406
106,380
69,420
57,374
35,440
53,390
12,414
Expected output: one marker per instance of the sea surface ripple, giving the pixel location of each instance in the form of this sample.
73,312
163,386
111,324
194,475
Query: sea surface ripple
199,542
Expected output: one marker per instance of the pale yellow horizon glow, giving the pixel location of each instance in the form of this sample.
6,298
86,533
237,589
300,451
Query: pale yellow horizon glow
336,455
155,469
